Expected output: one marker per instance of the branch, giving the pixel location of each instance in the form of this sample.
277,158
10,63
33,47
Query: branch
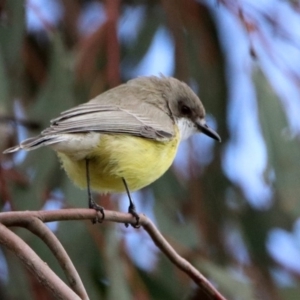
37,227
32,262
21,219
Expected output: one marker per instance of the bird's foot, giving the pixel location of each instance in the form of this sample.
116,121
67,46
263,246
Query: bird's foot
97,208
131,210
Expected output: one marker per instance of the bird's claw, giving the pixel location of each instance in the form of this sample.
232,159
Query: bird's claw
132,211
97,208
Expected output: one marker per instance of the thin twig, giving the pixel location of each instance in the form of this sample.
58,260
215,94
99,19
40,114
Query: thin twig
179,261
19,218
35,265
37,227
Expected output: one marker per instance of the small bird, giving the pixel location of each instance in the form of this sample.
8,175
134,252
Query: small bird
125,138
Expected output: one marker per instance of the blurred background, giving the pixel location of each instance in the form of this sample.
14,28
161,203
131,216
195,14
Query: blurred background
232,209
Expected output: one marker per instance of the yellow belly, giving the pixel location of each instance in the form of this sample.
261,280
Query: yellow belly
140,161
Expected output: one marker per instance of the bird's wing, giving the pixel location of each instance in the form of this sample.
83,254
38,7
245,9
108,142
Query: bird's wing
126,109
138,118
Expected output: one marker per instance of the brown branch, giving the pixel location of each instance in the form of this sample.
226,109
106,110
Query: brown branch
21,219
179,261
32,262
37,227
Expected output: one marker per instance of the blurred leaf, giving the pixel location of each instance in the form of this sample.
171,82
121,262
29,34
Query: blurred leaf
38,168
57,93
161,287
283,149
169,199
3,85
75,197
83,251
191,214
12,34
291,293
20,279
118,289
228,282
168,281
138,48
54,97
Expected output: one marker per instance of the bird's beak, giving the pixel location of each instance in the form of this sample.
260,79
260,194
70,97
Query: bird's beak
202,126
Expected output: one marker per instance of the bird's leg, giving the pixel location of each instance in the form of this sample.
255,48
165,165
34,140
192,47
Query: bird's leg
131,207
92,203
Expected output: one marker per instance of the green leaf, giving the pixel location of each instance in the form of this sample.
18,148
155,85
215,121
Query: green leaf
12,33
229,282
283,149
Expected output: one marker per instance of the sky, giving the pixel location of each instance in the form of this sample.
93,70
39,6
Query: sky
242,112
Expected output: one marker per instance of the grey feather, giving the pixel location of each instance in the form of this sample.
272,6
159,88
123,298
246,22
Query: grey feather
136,108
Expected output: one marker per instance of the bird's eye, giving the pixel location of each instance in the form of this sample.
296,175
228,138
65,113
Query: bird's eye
185,110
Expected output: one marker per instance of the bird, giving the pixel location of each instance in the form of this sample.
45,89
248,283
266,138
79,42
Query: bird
125,138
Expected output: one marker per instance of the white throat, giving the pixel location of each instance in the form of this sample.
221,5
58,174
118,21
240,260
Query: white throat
186,128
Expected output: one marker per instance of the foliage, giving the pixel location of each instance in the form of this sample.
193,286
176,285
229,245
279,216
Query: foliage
200,209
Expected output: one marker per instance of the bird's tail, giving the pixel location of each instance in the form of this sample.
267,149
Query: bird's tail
35,142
